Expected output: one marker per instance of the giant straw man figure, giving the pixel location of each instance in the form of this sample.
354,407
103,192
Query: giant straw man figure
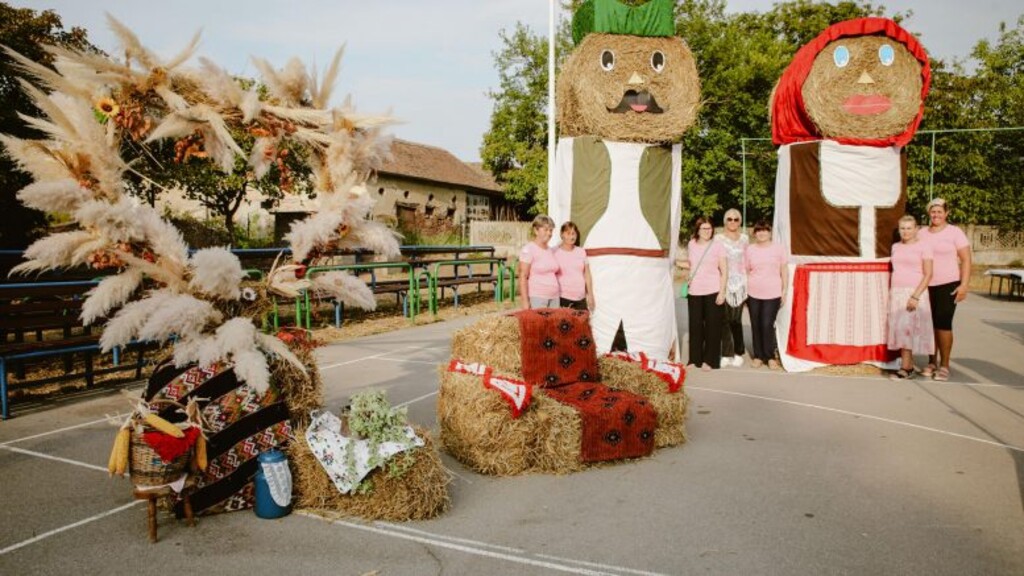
626,95
842,113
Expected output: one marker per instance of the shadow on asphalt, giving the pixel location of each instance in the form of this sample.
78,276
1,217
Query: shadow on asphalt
1017,455
989,370
1011,329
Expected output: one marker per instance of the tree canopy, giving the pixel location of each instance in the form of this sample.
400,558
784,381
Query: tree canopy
740,56
26,31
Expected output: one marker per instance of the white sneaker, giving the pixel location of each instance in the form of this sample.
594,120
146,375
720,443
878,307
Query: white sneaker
726,361
737,361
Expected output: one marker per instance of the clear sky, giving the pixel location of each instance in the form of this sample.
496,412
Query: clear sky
430,63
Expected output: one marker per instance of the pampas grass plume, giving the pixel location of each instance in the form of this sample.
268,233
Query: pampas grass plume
64,195
251,368
347,288
112,292
180,314
216,272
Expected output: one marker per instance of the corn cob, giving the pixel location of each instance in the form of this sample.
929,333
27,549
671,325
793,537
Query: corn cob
163,425
112,461
119,455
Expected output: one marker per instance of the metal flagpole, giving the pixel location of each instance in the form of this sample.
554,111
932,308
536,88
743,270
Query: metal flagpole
551,98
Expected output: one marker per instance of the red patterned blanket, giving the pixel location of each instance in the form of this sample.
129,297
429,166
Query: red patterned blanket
616,424
557,347
558,354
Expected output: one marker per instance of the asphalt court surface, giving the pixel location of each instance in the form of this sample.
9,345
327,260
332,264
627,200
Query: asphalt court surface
783,474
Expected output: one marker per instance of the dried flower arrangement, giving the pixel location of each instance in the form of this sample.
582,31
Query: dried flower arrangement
92,104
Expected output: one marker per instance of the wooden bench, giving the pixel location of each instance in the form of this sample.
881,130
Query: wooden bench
39,321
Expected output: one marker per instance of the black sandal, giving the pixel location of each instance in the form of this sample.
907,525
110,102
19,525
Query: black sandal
902,374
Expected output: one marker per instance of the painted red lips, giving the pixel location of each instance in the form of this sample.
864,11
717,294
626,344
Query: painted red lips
868,105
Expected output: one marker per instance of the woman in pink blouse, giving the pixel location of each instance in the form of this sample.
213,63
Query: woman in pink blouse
709,270
948,286
910,315
574,289
538,283
767,278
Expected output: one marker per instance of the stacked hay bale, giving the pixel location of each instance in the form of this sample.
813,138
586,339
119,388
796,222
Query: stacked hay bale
420,493
477,427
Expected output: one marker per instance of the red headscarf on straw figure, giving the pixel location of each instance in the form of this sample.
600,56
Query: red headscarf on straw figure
790,121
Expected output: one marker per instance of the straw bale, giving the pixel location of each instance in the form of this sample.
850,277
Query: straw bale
849,370
419,494
671,408
302,392
828,86
587,92
494,341
477,429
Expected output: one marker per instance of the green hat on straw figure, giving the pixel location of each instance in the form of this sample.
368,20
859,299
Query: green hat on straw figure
625,97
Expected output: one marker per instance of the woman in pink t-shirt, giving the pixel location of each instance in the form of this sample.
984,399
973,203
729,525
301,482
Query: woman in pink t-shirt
767,278
538,283
948,287
910,315
574,289
709,270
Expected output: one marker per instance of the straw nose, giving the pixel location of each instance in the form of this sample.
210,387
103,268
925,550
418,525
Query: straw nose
635,79
865,78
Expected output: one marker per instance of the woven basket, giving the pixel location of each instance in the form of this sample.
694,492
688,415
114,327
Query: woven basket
148,469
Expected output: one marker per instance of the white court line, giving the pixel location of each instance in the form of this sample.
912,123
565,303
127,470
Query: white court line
55,531
508,549
401,528
434,363
364,358
860,415
596,565
65,429
55,458
425,396
432,540
881,379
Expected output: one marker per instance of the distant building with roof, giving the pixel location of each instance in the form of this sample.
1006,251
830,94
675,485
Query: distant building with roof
421,186
430,182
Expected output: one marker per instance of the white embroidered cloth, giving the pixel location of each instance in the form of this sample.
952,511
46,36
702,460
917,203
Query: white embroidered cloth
331,448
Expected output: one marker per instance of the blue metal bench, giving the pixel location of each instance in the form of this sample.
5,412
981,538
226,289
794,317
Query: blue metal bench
41,320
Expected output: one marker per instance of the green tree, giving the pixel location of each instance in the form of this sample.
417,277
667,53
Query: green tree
1000,97
740,57
26,31
515,147
222,193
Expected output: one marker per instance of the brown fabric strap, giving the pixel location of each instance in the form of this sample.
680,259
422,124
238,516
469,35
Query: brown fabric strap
627,252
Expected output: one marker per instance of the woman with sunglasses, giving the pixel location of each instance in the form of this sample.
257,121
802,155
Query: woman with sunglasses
709,271
735,243
948,287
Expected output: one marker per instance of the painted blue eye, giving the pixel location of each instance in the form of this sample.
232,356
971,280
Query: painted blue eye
886,54
841,56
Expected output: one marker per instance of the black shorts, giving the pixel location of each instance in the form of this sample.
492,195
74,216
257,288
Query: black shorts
943,301
573,304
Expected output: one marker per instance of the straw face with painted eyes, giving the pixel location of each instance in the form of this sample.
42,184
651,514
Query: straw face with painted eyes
629,88
863,87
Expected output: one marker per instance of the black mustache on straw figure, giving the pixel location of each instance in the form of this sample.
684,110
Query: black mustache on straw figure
633,98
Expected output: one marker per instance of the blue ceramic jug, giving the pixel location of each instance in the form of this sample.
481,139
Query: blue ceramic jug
273,485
